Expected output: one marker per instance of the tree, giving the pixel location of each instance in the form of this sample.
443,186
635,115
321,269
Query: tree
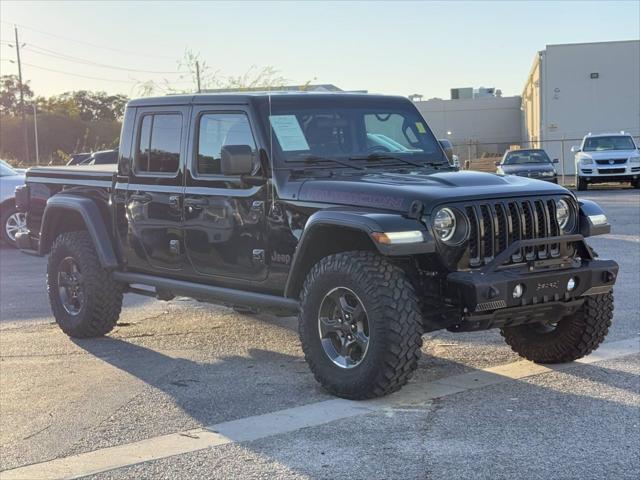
10,95
88,106
254,78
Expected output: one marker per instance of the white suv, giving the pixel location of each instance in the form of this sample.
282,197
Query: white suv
607,157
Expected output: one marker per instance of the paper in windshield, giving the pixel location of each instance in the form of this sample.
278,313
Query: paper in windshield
289,133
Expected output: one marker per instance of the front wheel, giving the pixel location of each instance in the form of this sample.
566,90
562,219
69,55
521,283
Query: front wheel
573,337
360,325
85,300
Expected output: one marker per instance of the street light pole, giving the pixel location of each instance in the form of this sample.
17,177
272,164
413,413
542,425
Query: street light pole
35,132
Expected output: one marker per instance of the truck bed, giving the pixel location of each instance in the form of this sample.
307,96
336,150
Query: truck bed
92,175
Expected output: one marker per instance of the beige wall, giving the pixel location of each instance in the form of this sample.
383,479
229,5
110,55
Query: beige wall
493,122
531,103
570,104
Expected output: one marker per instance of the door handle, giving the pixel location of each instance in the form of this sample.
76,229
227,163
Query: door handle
141,197
174,201
196,202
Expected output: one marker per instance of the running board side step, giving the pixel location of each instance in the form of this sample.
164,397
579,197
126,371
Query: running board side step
210,293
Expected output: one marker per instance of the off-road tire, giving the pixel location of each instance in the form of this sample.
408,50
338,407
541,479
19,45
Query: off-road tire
394,323
103,295
575,336
582,185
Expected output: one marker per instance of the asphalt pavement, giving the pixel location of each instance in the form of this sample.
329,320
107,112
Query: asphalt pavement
183,389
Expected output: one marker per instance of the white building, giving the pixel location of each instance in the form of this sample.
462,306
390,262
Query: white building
579,88
475,125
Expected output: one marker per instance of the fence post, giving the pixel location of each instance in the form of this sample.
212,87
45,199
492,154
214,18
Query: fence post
562,159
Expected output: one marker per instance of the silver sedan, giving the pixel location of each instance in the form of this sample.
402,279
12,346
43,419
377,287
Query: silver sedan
11,221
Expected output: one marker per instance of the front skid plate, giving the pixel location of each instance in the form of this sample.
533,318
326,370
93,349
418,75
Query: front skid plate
479,291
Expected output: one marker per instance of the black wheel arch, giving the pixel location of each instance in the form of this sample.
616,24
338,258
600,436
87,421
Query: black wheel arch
65,213
332,231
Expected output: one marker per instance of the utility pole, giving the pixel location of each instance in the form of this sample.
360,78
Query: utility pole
35,132
198,74
22,112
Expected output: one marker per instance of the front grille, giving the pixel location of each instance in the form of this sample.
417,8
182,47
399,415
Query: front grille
613,161
611,170
494,225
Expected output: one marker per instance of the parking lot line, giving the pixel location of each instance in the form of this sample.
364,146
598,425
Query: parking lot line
292,419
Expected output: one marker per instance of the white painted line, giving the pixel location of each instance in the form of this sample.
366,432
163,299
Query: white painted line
291,419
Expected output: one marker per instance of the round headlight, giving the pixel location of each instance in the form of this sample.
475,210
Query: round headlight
563,213
444,224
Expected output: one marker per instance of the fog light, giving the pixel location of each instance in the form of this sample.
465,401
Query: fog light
518,291
571,284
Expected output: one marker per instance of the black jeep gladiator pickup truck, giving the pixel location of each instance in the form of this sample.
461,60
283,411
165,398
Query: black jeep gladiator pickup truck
341,208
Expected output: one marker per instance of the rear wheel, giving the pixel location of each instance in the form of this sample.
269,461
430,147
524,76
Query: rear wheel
85,300
582,184
571,338
360,325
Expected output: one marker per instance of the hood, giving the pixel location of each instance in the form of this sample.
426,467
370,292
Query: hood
606,154
528,167
396,191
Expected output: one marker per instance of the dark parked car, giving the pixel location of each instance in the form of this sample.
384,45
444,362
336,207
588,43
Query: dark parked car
532,163
103,157
340,208
78,158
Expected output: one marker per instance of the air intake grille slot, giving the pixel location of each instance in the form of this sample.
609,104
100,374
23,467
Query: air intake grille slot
494,225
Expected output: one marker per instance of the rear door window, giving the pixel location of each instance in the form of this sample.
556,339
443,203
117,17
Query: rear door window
159,143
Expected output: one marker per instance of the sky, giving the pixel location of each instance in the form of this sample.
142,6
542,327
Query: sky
398,47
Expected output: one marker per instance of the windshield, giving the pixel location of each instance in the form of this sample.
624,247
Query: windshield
614,142
6,170
526,156
349,129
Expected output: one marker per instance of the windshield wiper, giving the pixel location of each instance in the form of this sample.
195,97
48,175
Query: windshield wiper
312,159
386,156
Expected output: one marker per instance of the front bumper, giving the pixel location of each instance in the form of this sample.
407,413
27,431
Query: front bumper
627,177
552,179
488,292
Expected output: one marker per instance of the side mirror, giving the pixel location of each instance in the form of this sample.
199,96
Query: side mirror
497,164
236,160
575,149
555,160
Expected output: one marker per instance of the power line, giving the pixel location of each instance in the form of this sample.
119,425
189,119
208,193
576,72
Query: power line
93,78
126,52
79,75
62,56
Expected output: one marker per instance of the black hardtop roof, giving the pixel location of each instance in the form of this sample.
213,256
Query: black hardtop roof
247,97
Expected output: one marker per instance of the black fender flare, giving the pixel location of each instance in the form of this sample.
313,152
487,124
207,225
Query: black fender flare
93,221
590,220
367,222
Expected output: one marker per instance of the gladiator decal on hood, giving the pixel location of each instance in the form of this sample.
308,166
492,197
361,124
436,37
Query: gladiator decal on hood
356,198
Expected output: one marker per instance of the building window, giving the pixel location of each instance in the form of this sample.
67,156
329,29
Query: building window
159,143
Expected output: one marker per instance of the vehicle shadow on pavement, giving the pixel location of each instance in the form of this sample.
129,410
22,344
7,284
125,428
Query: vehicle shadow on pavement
209,391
